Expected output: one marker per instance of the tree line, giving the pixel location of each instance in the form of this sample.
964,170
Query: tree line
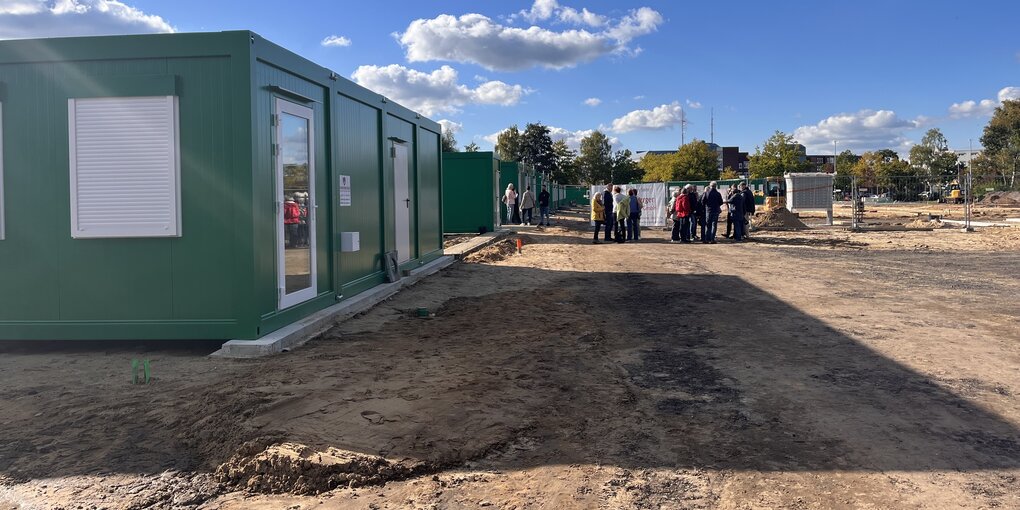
595,162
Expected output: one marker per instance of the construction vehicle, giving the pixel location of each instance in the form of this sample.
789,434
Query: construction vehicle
952,193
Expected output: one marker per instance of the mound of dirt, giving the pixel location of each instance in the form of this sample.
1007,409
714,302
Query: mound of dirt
497,251
779,217
298,469
1007,198
920,223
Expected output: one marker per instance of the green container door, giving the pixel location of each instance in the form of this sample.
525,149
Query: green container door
470,192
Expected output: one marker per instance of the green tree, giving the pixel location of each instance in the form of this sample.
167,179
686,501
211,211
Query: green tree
625,169
595,159
471,147
877,168
845,162
565,171
509,143
658,167
932,157
537,148
696,161
781,154
729,173
1001,140
448,141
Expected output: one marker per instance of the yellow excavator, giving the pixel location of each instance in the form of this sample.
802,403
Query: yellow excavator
952,193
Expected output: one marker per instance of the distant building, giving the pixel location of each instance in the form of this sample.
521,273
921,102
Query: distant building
819,162
966,155
733,158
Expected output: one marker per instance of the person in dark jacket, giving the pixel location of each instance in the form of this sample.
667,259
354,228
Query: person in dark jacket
736,204
732,190
698,216
674,213
748,206
543,207
713,207
608,203
634,216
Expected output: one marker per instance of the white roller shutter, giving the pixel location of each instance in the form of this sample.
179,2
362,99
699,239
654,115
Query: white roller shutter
125,167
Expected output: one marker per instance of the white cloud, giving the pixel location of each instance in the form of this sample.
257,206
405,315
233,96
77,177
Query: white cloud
478,39
21,19
337,41
435,92
693,104
640,22
660,117
451,126
593,101
1009,93
543,10
572,138
864,130
984,107
638,98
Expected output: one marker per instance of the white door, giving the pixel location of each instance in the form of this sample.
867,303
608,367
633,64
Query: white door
401,202
295,211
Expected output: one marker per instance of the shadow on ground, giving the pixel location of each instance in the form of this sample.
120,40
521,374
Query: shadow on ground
632,370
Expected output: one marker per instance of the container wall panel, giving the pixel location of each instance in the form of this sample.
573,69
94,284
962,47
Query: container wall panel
359,155
469,190
50,276
430,224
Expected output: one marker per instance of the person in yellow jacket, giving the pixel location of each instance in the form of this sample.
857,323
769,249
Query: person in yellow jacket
598,214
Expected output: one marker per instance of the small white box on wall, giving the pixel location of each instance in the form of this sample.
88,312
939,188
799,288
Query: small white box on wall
350,241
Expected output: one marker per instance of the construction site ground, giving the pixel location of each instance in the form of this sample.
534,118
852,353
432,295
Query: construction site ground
801,369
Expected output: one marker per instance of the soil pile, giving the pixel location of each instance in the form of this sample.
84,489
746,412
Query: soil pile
779,217
1007,198
497,251
298,469
922,223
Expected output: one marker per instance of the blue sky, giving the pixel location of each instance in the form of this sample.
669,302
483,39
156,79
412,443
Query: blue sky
869,74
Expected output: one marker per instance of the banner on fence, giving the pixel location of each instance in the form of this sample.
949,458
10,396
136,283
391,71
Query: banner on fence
653,201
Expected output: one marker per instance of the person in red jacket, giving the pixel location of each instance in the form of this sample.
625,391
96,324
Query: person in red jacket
291,219
685,211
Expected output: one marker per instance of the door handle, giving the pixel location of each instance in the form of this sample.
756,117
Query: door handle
407,201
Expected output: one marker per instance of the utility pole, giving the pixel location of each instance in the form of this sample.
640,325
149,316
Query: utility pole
683,126
969,184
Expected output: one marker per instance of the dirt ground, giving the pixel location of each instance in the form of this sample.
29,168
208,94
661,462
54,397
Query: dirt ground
808,369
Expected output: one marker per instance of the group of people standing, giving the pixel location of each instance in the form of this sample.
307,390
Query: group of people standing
618,214
690,211
524,204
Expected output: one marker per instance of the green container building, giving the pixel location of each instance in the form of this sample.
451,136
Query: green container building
470,192
199,186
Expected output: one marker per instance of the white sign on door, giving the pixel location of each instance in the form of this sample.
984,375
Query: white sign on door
344,196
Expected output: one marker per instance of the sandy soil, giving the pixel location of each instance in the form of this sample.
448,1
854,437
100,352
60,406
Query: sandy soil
808,369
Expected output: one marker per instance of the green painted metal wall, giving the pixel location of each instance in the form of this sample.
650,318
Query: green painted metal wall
470,191
55,286
218,280
359,154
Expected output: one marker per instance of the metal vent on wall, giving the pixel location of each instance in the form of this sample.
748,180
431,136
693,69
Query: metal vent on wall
124,167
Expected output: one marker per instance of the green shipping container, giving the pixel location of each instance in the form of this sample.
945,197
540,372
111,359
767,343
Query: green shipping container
199,186
470,192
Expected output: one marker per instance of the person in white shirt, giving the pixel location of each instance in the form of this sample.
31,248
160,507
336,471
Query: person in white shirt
510,199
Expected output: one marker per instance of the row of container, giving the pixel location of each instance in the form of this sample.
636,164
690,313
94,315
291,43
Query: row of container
199,186
212,186
474,184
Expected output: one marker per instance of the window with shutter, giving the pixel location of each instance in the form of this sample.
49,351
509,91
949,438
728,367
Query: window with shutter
125,167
